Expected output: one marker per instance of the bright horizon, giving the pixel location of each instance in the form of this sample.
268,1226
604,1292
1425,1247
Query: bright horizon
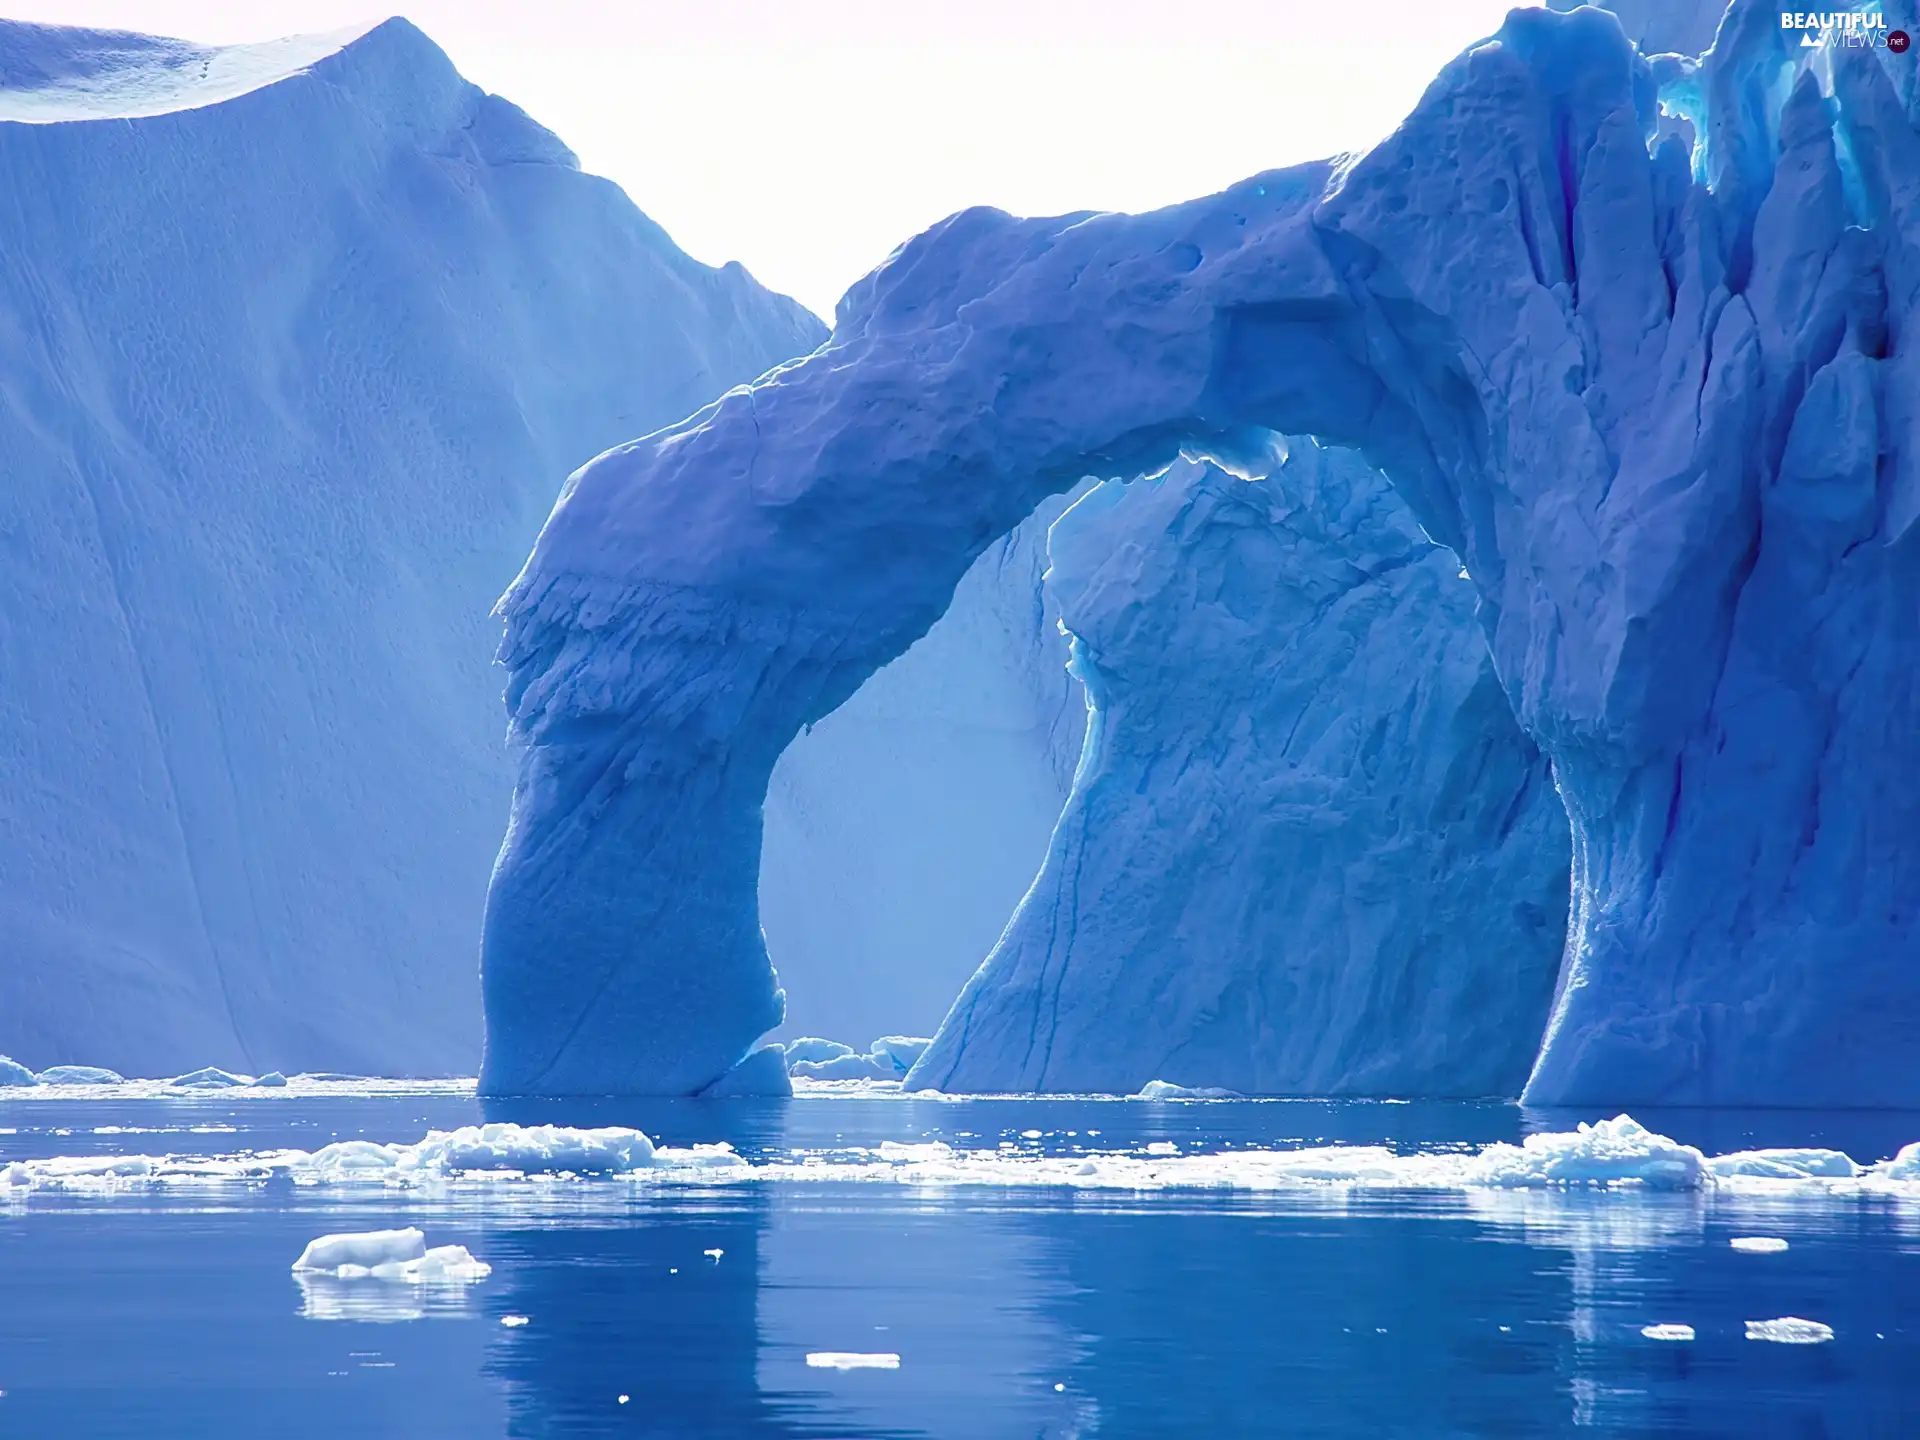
807,140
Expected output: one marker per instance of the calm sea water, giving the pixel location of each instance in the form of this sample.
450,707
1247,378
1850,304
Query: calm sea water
1018,1313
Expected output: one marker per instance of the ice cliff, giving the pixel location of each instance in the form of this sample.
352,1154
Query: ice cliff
1659,402
296,344
1308,850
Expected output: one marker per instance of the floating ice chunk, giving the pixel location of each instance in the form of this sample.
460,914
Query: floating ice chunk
1790,1330
532,1149
899,1050
12,1072
441,1265
80,1075
211,1078
928,1150
1903,1166
513,1322
1609,1152
811,1050
1758,1244
272,1080
1163,1147
852,1360
363,1248
1666,1332
761,1074
713,1255
1784,1165
845,1067
1167,1090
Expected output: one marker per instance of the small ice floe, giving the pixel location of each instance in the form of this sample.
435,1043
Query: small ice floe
1790,1330
888,1058
1667,1332
852,1360
1783,1165
1758,1244
1163,1147
272,1080
210,1078
1903,1166
390,1255
713,1255
1167,1090
79,1075
513,1322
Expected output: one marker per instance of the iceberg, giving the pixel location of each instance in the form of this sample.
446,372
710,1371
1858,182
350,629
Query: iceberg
389,1255
297,343
1647,391
1308,850
79,1075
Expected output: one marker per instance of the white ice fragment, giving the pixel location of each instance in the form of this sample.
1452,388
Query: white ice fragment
1609,1152
811,1050
1798,1164
272,1080
714,1254
852,1360
1790,1330
1163,1147
1903,1166
1663,1332
210,1078
1167,1090
513,1322
441,1265
80,1075
1030,1135
363,1248
1758,1244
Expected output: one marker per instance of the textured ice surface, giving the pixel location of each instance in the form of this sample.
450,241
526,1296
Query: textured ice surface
1167,1090
1308,850
390,1255
1654,399
902,829
297,344
811,1049
888,1058
1667,1332
362,1248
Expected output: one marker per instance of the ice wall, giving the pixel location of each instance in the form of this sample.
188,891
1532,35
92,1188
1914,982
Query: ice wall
1660,404
1308,851
902,829
296,344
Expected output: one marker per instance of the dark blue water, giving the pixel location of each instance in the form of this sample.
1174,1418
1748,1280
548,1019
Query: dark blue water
1023,1313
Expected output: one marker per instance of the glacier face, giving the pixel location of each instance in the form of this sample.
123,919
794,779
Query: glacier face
296,343
1308,850
902,829
1661,405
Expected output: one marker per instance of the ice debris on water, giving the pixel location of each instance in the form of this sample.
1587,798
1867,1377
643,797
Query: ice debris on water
1758,1244
713,1255
1667,1332
1611,1154
852,1360
389,1255
1790,1330
12,1072
1167,1090
513,1322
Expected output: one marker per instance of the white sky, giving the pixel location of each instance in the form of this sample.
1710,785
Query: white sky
807,138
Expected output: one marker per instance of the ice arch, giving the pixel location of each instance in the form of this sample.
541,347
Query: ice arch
1665,422
1307,850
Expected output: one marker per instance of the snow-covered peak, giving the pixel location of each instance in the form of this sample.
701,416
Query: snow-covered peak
52,73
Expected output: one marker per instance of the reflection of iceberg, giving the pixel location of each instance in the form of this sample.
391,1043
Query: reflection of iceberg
328,1297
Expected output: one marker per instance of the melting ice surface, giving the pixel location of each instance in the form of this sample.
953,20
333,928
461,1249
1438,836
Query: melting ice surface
899,1265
